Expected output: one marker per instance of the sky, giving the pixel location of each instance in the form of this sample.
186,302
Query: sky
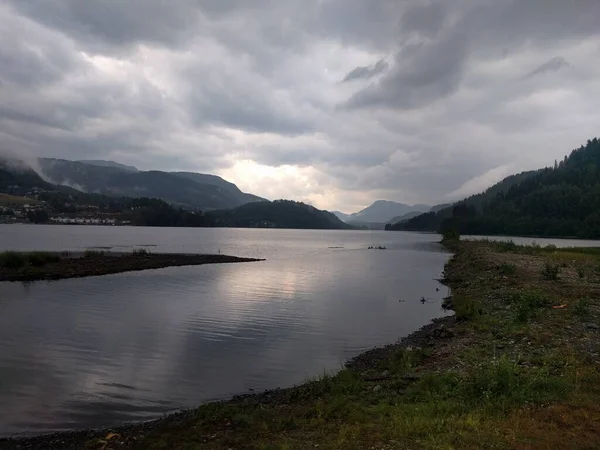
337,103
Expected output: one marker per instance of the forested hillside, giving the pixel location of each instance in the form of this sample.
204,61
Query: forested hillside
277,214
563,200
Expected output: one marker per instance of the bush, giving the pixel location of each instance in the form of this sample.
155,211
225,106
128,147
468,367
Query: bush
466,308
508,269
450,235
93,253
12,260
505,247
582,308
38,259
550,271
528,304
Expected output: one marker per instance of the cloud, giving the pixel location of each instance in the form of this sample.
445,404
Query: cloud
554,65
366,72
433,94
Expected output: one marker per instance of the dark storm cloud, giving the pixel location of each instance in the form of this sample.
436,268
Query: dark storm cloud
366,72
422,73
450,93
104,24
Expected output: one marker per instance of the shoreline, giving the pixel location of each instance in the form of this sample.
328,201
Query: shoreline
39,266
517,366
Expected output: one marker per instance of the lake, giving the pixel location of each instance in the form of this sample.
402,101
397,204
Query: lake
102,351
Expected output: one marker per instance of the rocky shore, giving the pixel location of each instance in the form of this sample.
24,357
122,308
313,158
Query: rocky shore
99,263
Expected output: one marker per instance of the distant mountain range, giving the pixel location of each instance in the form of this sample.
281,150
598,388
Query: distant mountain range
381,212
16,179
102,163
187,189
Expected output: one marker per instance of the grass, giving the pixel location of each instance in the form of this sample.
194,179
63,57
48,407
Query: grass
466,307
12,260
8,200
17,260
582,308
529,304
507,269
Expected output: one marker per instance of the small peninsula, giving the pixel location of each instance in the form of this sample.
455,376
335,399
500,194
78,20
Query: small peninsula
33,266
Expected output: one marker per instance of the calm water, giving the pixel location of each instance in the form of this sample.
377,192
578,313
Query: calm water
105,350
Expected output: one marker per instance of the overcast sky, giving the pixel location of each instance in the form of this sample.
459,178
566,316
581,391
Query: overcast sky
333,102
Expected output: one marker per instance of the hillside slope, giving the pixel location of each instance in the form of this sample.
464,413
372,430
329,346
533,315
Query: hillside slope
382,210
190,190
561,201
277,214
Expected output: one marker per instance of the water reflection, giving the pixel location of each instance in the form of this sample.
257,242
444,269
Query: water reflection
105,350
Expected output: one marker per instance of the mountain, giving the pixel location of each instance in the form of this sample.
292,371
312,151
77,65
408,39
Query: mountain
340,215
407,216
432,220
195,191
367,225
382,210
277,214
219,182
19,180
102,163
559,201
437,208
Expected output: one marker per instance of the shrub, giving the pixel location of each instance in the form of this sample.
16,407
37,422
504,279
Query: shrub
582,308
38,259
450,235
140,251
93,253
508,269
550,271
12,260
466,308
528,304
505,247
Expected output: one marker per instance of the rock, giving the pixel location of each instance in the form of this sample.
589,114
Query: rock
592,326
377,388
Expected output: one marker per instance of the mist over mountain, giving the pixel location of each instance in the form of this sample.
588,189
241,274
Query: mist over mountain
190,190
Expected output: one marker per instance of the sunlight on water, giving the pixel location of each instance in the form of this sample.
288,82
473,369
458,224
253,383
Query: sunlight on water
105,350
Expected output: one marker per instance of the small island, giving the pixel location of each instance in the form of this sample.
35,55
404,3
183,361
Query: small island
33,266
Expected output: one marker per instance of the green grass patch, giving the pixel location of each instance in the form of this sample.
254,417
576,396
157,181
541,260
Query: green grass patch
23,260
93,253
12,260
466,307
39,259
528,304
582,308
507,269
